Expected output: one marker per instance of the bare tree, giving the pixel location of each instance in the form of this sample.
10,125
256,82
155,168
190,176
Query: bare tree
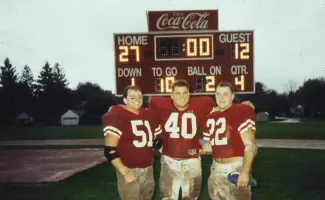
291,87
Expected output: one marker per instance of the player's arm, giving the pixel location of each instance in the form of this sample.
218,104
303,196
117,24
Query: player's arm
249,104
205,143
111,142
246,128
156,102
158,142
248,138
205,103
206,147
112,136
155,122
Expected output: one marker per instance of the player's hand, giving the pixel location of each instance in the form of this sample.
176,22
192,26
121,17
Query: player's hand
206,148
249,104
129,177
243,179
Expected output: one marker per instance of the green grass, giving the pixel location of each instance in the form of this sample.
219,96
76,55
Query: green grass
305,130
282,174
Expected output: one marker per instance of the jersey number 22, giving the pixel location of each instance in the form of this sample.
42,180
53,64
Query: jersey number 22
222,123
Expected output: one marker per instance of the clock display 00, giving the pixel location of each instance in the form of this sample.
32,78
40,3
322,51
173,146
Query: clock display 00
183,47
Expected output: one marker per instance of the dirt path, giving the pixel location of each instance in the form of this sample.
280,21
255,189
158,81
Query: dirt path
272,143
46,165
291,143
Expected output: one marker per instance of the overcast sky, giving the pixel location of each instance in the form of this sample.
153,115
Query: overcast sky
289,35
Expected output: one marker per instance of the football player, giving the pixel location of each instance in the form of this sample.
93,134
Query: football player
230,130
181,119
129,132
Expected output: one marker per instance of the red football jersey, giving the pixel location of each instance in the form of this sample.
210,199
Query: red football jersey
223,130
136,134
181,129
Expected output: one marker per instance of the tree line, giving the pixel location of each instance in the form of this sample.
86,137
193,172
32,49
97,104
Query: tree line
310,96
48,96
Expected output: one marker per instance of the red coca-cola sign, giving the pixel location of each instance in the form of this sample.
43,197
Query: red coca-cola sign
182,20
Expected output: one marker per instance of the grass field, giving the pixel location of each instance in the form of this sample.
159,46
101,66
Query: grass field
282,174
305,130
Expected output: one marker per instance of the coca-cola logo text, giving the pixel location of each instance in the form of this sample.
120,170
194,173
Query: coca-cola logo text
180,21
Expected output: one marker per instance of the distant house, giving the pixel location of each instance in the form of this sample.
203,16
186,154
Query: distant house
71,117
262,117
297,110
24,119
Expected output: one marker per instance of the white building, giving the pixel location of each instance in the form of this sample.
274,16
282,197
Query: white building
71,117
262,117
298,110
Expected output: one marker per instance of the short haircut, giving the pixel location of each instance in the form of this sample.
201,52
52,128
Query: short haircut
226,84
180,83
131,87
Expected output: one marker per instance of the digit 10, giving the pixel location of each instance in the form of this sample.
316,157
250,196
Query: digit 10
124,55
162,85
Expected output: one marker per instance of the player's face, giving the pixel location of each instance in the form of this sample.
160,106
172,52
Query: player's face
134,100
224,97
181,97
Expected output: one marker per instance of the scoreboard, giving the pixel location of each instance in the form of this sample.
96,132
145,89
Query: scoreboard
154,60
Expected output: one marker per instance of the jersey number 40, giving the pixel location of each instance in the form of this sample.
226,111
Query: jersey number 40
173,128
